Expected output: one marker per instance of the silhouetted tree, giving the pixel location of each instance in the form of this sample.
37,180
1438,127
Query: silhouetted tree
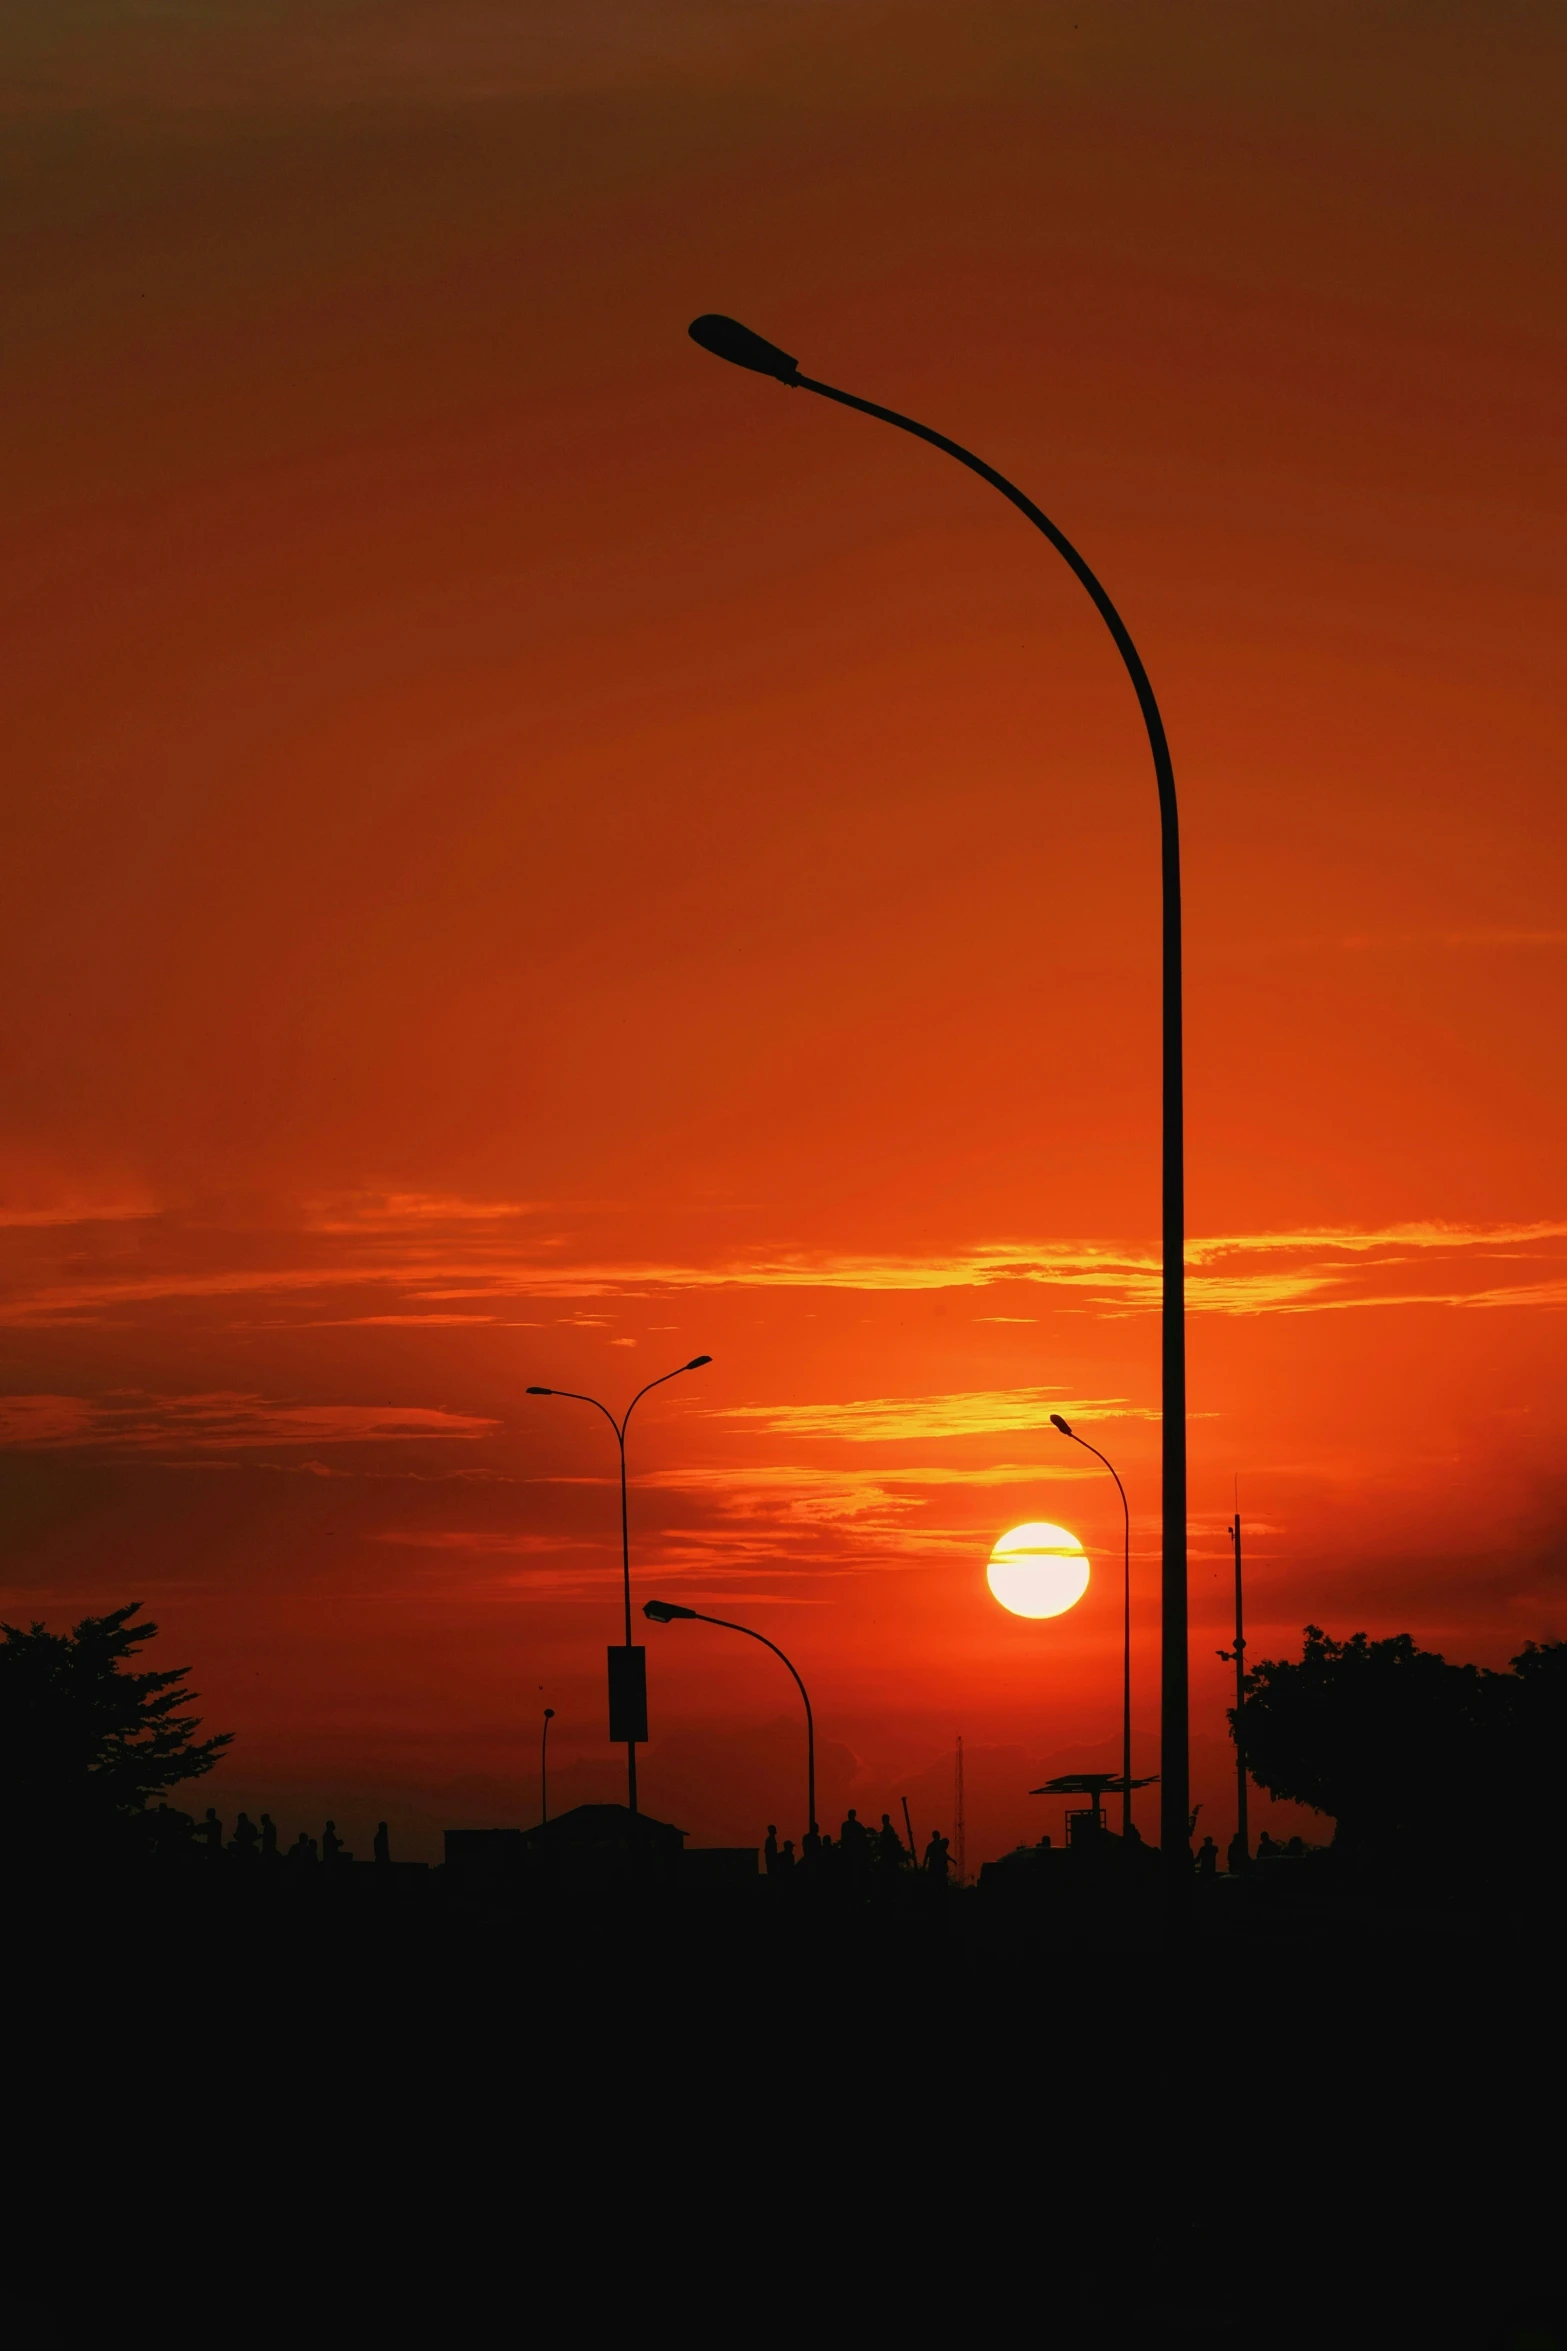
85,1740
1538,1704
1409,1754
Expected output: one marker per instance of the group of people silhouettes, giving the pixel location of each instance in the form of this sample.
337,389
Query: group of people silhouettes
1206,1858
860,1854
257,1841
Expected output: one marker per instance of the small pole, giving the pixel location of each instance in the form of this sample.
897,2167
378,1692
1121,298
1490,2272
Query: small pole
544,1769
1240,1695
909,1825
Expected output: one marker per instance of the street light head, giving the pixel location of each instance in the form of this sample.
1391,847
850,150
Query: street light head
549,1713
665,1611
697,1362
727,339
1056,1422
541,1391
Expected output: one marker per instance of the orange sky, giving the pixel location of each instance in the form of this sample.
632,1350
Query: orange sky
529,853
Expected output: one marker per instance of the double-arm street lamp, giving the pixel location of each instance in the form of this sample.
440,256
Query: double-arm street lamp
1067,1430
627,1665
727,339
669,1611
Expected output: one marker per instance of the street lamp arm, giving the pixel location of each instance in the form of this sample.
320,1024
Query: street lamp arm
1110,1466
1063,547
648,1390
572,1397
766,1644
810,1720
663,1611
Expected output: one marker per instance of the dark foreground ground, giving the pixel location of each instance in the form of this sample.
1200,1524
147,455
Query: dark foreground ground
233,2117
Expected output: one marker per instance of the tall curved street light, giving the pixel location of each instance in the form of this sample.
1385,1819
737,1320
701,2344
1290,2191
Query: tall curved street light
1067,1430
544,1769
727,339
627,1679
668,1611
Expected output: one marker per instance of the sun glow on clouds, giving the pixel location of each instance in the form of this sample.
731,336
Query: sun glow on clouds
425,1252
969,1413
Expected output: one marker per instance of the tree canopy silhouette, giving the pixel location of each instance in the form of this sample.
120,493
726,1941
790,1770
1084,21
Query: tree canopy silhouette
85,1740
1406,1752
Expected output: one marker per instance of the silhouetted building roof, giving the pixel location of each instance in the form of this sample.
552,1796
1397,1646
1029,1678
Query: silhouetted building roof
592,1846
604,1824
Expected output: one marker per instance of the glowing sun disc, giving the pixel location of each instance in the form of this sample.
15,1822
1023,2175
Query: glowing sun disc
1038,1570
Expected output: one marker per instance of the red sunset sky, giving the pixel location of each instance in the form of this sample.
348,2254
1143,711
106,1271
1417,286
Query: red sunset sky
529,854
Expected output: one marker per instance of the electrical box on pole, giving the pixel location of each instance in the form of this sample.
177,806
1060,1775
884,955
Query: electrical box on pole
627,1696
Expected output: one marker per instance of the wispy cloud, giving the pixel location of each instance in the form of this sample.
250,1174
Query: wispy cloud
973,1412
428,1258
795,1477
133,1420
382,1212
75,1211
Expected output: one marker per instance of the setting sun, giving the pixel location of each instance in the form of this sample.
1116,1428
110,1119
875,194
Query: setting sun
1038,1570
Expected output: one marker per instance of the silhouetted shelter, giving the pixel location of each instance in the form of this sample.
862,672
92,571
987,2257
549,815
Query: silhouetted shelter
1089,1820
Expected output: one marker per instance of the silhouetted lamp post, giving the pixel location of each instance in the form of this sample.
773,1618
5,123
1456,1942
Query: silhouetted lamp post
627,1665
1067,1430
544,1768
727,339
670,1612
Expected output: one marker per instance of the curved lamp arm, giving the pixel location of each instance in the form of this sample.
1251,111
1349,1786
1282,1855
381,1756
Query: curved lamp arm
666,1611
727,339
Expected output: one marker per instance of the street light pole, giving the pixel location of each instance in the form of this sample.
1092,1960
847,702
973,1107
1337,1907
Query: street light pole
1067,1430
669,1611
1242,1826
544,1769
627,1689
727,339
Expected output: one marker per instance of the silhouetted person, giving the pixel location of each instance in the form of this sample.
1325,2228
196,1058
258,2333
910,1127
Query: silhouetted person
853,1834
786,1857
331,1842
1296,1848
770,1850
1237,1857
210,1831
268,1837
936,1855
246,1838
811,1846
383,1843
1207,1859
303,1850
1265,1846
890,1849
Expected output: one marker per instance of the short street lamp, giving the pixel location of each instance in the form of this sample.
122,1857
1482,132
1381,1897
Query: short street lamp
1067,1430
627,1665
670,1611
